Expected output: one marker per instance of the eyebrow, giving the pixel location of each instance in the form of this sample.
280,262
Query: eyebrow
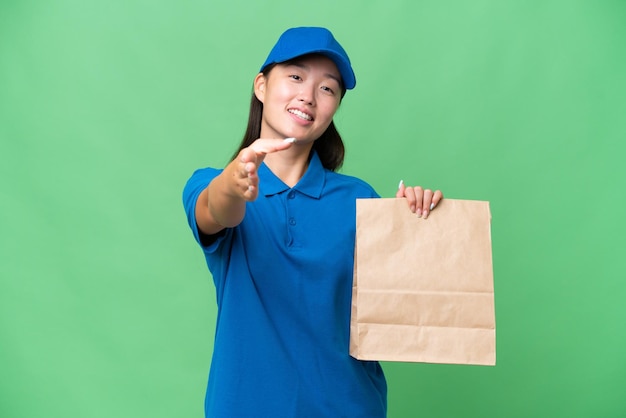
306,67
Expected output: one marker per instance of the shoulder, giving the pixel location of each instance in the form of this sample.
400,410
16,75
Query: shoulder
198,181
202,177
355,184
205,173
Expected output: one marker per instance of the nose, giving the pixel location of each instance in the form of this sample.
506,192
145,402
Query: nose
307,94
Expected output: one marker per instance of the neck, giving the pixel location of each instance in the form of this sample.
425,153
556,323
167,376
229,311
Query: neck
291,164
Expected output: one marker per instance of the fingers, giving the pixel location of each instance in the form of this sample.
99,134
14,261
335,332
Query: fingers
249,161
246,180
265,146
421,201
401,188
437,197
427,201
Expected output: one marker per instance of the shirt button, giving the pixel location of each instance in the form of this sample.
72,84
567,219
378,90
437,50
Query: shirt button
291,195
292,221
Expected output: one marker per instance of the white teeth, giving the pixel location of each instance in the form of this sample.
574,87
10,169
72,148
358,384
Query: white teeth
300,114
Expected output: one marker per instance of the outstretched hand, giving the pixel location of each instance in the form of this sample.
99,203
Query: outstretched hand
248,162
421,201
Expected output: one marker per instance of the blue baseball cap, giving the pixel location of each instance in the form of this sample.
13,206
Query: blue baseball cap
296,42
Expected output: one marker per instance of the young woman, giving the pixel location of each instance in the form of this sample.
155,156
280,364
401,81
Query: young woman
277,227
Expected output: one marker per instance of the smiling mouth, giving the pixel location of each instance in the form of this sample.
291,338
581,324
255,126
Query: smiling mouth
300,114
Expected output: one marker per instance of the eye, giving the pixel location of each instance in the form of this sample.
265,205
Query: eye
295,77
328,89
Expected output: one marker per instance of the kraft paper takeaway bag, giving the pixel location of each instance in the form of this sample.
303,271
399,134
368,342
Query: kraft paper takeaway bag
423,288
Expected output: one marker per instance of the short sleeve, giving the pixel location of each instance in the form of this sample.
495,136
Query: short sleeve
198,181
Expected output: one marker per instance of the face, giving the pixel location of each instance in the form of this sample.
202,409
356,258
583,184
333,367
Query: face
299,98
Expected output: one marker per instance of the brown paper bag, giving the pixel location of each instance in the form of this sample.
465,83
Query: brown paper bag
423,288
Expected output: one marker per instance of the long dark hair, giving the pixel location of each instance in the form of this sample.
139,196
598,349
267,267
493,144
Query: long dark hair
329,146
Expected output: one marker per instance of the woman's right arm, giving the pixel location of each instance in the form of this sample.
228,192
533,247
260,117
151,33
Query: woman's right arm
222,204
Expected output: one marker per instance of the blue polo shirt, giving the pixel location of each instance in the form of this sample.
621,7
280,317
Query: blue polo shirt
283,280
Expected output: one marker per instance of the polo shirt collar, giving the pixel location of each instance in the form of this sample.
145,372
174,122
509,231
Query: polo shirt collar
311,184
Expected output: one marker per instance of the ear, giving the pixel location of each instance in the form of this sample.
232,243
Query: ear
260,83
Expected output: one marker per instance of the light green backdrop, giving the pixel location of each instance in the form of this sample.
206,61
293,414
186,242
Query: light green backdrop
106,107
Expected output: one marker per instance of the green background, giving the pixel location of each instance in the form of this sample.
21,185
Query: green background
106,107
